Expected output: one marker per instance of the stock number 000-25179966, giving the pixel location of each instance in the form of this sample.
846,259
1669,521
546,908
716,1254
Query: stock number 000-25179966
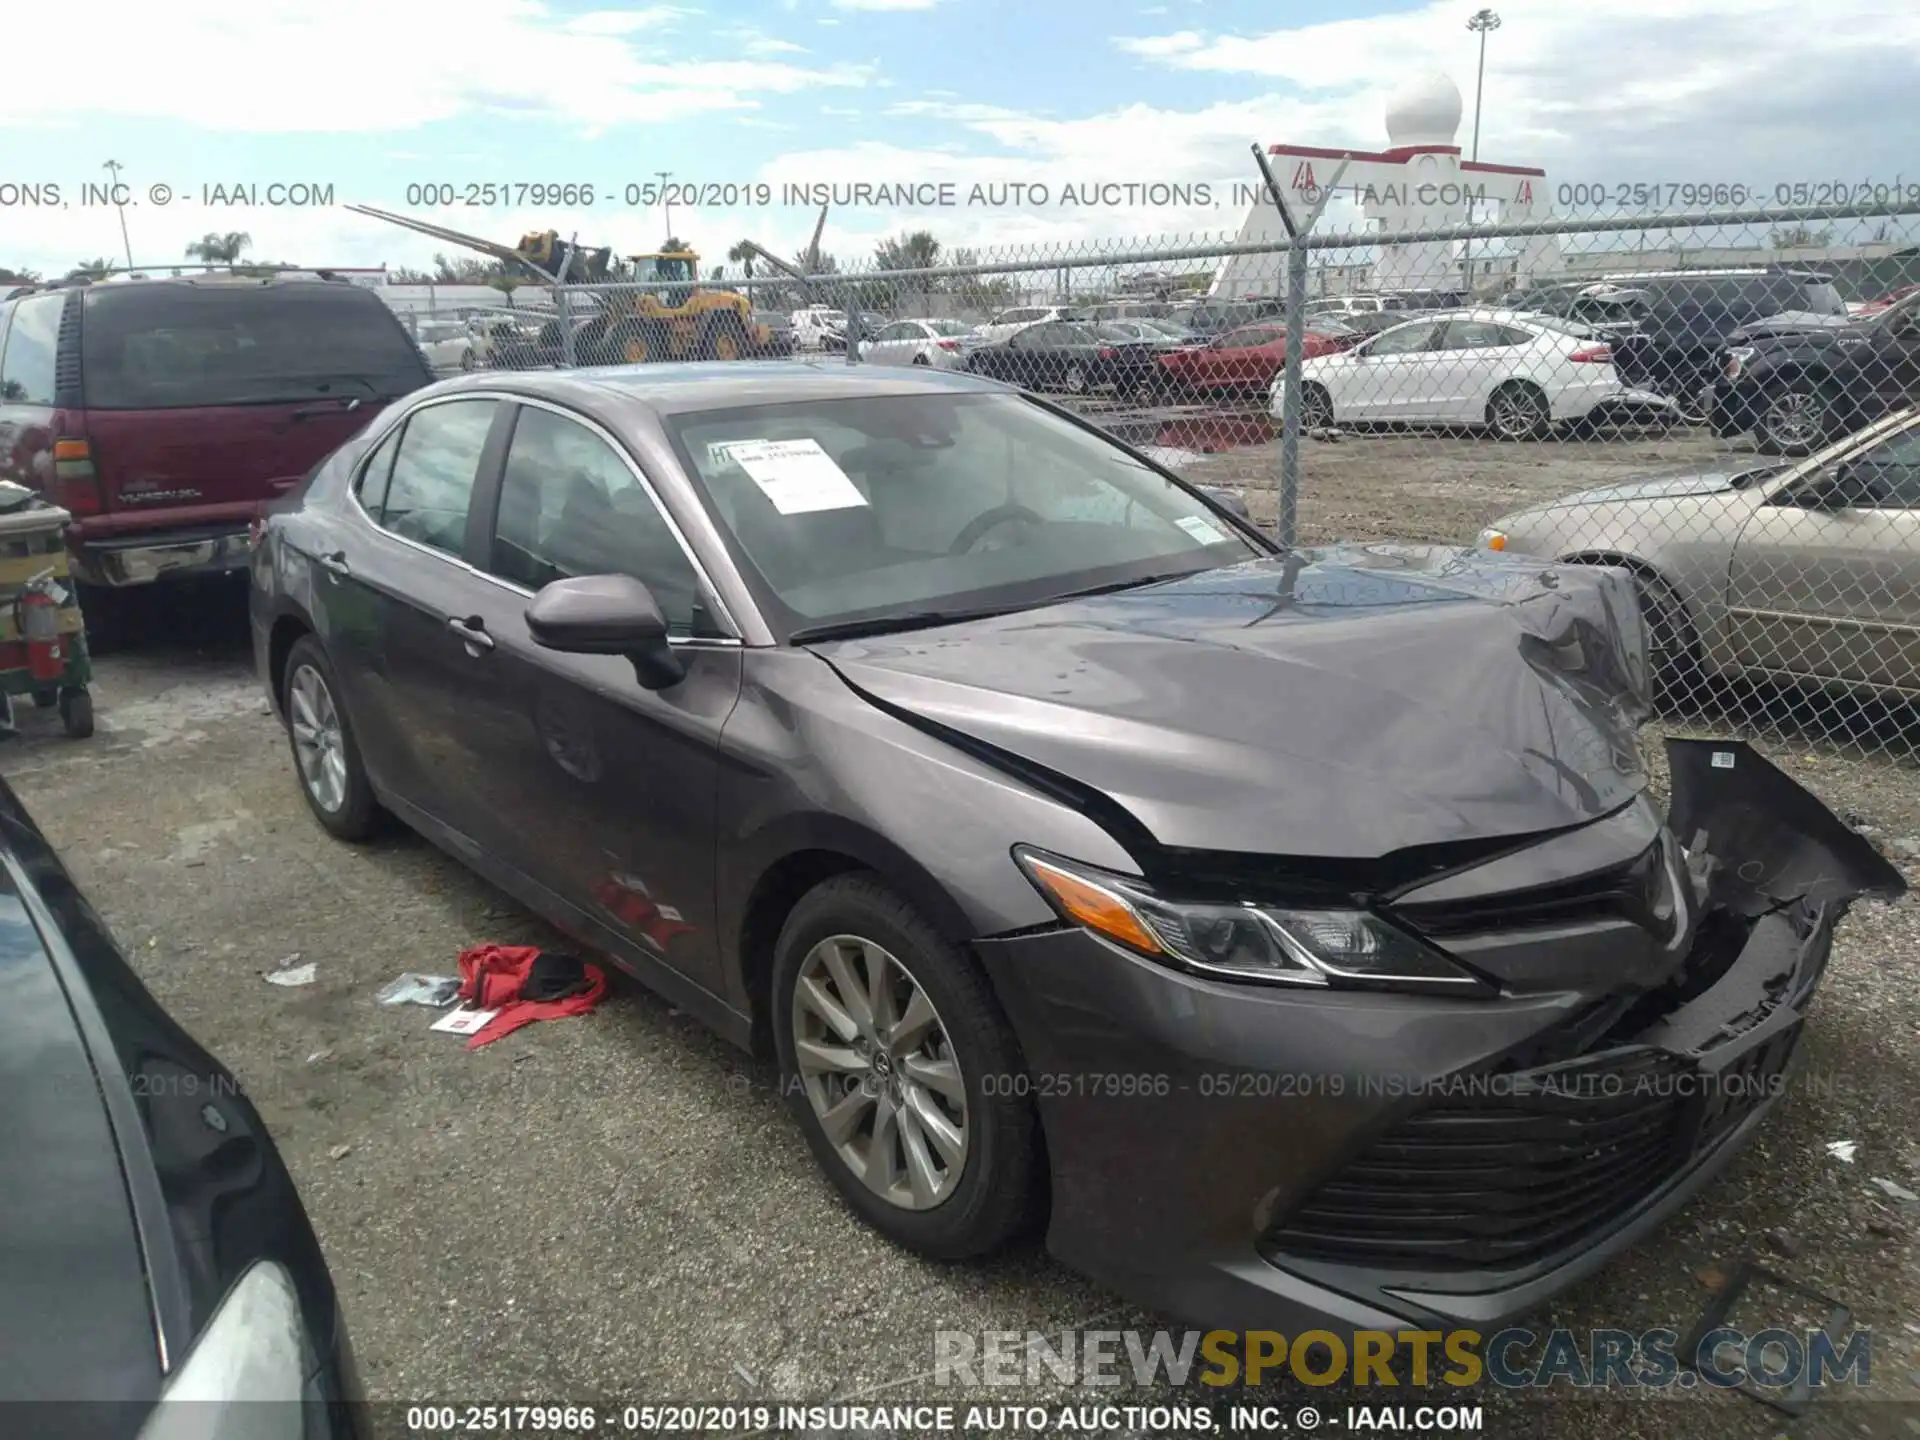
588,1419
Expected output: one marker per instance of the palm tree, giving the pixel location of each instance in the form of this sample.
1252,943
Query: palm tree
92,269
216,249
742,255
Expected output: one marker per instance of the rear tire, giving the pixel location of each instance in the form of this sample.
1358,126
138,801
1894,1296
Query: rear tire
311,704
1795,419
858,923
1519,411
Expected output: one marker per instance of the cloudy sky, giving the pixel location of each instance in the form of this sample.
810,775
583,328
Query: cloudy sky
370,98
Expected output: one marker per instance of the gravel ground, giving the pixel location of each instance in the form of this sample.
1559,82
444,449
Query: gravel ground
618,1206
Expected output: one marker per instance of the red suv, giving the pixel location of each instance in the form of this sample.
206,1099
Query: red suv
161,413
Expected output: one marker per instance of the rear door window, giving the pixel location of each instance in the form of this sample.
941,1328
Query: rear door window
164,346
433,473
372,485
33,340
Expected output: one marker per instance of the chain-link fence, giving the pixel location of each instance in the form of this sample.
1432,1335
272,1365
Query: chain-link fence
1712,400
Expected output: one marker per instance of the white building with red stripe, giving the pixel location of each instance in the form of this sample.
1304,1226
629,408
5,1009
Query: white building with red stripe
1419,182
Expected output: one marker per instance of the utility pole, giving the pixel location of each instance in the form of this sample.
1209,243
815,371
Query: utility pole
665,198
113,168
1483,23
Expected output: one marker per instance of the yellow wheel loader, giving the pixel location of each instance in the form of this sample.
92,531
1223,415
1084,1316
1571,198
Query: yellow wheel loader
685,320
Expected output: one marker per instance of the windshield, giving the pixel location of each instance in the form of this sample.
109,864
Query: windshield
156,347
859,510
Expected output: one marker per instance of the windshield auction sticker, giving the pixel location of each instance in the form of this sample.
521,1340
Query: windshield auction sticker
796,475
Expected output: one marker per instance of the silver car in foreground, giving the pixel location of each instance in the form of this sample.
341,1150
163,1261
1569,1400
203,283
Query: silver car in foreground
1806,571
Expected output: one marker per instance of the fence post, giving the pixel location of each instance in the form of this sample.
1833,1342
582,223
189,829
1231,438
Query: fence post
1288,507
561,308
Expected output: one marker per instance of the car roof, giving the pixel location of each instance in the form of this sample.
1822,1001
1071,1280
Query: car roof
691,387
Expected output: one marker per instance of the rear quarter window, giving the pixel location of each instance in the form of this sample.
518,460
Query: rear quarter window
27,367
182,346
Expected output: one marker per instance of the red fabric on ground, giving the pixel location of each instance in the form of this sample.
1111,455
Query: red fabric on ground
491,977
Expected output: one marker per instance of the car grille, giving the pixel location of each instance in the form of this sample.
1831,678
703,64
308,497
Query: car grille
1639,890
1502,1171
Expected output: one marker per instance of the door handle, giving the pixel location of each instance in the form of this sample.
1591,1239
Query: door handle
334,562
472,632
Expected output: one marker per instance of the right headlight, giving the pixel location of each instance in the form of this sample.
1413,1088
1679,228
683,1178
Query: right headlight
1244,940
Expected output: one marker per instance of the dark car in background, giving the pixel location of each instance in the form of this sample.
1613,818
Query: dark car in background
1668,328
1077,357
1798,387
1207,318
162,413
153,1249
967,746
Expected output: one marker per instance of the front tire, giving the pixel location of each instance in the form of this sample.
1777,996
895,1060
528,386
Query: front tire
901,1069
326,758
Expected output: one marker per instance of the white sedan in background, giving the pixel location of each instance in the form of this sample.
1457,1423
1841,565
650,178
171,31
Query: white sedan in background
1515,373
939,344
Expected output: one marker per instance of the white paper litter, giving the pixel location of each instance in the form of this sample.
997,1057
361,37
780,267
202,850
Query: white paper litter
1895,1191
296,975
1842,1149
463,1022
796,475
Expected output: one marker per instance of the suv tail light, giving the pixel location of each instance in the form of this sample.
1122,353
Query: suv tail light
76,488
1593,355
948,344
1106,354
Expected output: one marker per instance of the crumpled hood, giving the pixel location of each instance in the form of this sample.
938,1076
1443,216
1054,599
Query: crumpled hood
1341,703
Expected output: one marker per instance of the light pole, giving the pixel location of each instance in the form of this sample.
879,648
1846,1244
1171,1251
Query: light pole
1482,22
113,168
666,198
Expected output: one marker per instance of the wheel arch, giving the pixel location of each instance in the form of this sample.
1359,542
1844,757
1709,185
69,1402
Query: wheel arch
807,851
288,629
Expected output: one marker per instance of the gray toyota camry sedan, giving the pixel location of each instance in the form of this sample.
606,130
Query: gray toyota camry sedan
1288,936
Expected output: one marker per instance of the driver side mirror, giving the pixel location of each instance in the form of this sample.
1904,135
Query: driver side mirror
1850,485
607,615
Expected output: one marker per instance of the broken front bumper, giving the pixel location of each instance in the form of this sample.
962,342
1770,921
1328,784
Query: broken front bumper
1252,1157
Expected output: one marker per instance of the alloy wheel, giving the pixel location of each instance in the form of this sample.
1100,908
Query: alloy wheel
1797,418
1515,414
319,744
879,1070
1076,379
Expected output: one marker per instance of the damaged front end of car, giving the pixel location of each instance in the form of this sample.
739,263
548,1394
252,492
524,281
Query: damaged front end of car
1446,1022
1708,944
